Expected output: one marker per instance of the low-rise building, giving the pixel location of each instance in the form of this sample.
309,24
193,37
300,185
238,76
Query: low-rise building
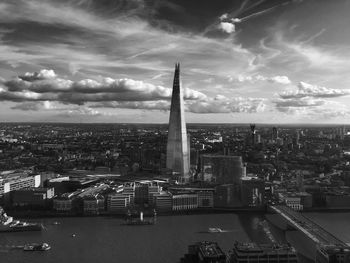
93,205
63,204
205,199
185,201
297,201
163,201
118,203
32,196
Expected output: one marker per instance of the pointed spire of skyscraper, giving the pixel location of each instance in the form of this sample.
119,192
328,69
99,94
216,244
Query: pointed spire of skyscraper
177,148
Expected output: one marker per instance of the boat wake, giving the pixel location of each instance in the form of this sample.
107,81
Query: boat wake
212,230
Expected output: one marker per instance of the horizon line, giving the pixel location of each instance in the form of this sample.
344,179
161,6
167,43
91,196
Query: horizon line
166,123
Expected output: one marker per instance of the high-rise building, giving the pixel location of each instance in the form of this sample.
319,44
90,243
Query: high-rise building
274,133
177,158
252,191
222,169
252,133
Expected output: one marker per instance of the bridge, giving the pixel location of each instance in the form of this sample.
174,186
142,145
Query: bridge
311,229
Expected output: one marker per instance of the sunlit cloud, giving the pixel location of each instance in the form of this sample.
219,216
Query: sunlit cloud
308,90
46,86
116,56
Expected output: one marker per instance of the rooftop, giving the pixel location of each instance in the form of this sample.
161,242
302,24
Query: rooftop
210,249
263,249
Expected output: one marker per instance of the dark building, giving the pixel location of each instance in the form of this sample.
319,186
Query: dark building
263,253
274,133
252,133
227,196
222,169
253,192
204,252
34,197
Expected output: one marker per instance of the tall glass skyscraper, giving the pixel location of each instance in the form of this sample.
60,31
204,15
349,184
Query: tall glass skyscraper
177,158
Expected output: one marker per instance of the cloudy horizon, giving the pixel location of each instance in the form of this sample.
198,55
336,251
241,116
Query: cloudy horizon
264,61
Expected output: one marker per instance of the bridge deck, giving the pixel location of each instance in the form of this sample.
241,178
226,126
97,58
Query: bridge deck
307,226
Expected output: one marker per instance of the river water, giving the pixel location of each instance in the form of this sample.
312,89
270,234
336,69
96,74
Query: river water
105,239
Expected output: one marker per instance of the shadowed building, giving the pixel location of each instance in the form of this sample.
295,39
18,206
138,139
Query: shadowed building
222,169
177,147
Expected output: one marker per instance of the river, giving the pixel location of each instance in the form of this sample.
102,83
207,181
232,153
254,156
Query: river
105,239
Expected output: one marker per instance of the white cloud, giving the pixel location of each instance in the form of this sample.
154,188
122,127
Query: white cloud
255,78
47,86
56,107
223,17
129,53
227,27
325,111
299,102
143,105
222,104
280,79
308,90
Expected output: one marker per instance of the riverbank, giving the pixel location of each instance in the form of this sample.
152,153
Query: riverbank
49,213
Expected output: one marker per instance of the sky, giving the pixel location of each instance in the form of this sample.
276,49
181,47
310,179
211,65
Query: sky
242,61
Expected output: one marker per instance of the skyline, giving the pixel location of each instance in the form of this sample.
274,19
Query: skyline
112,61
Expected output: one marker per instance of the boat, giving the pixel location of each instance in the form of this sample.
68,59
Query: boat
8,224
36,247
139,221
215,230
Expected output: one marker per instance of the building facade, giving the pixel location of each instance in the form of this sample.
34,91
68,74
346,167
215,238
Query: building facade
222,169
177,158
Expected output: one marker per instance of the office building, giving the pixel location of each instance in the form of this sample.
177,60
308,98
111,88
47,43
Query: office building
177,158
163,201
186,201
252,192
204,252
263,253
32,196
93,205
222,169
118,203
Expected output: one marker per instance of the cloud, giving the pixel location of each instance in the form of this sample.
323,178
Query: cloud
43,74
308,90
78,39
283,48
46,86
28,106
143,105
314,111
255,78
223,17
227,27
81,111
59,108
298,102
280,79
236,20
222,104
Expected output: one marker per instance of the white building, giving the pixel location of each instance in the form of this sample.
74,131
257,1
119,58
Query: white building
185,202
